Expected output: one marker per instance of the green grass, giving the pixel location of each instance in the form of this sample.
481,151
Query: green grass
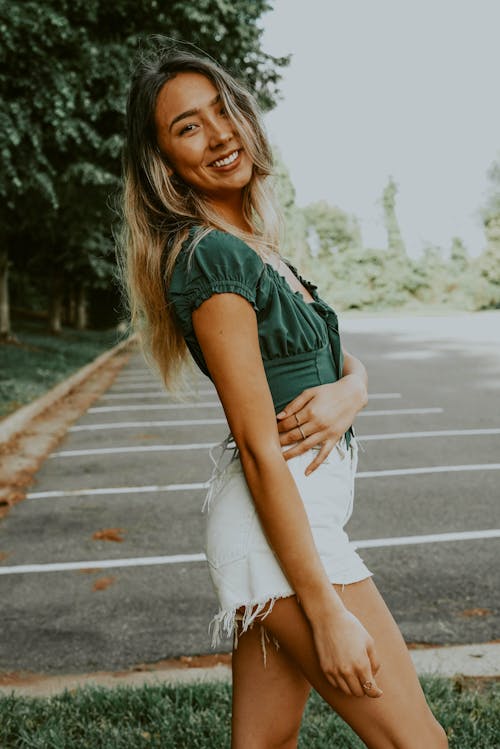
198,717
40,360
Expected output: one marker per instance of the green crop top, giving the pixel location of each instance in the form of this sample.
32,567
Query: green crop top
299,340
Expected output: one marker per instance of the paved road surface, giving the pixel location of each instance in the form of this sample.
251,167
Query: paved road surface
426,516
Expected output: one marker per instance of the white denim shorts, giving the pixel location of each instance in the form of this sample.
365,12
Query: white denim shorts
244,569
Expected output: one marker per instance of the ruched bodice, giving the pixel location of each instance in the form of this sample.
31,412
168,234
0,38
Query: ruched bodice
299,340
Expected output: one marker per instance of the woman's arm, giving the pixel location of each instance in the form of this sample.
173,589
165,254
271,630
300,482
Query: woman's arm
226,328
324,412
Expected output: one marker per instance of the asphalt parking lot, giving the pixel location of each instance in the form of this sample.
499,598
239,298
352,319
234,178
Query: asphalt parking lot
102,562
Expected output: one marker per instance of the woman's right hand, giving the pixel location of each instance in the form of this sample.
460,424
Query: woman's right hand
346,654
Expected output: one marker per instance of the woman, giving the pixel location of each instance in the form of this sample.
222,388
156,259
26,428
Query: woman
205,279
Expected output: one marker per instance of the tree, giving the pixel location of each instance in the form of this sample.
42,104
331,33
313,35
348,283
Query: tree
295,246
459,257
395,242
489,260
64,71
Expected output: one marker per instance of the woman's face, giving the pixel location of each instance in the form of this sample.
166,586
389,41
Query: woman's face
198,139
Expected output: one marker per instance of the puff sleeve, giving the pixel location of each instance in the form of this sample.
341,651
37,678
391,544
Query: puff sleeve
219,263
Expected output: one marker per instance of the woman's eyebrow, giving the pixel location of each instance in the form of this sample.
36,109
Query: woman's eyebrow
191,112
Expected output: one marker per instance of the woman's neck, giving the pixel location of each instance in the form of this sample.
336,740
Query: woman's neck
232,213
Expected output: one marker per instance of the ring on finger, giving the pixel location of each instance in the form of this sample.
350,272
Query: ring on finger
301,431
297,420
367,685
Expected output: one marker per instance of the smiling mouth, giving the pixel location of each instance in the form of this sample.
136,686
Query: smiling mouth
227,159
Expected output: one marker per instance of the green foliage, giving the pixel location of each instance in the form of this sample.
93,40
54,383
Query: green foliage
30,368
394,238
327,245
198,716
354,276
64,72
487,285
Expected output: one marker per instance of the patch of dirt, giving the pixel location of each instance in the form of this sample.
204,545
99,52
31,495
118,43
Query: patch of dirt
109,534
22,456
103,582
475,612
183,662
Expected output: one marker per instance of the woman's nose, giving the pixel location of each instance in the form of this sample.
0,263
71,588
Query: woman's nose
220,134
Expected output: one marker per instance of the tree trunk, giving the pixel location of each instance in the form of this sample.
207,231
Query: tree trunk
81,307
56,304
5,332
71,307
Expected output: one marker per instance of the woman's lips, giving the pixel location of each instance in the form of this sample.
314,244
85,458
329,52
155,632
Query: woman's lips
233,162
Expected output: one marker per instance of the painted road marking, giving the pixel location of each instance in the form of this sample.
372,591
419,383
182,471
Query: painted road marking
212,391
135,386
370,543
199,422
139,424
135,449
158,394
430,433
209,445
156,488
157,406
153,407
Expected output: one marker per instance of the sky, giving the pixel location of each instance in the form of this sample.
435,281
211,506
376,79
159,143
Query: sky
407,88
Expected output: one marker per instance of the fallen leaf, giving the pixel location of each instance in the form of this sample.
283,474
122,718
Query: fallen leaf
4,555
109,534
103,582
476,612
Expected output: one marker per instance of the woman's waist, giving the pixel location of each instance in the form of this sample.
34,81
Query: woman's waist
287,377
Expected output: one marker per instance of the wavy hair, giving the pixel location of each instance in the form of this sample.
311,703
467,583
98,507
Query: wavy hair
158,211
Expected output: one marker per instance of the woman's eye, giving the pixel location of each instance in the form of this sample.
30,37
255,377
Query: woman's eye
187,129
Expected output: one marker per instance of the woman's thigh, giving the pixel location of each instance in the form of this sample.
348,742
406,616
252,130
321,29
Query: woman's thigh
268,700
400,718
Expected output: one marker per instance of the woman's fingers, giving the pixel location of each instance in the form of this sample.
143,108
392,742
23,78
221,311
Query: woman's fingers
372,655
324,452
369,686
354,685
291,423
295,405
300,447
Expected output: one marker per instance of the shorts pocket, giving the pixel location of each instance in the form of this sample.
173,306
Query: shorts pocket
229,520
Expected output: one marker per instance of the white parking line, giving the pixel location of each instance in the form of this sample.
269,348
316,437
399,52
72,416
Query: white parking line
139,424
212,391
153,407
430,433
370,543
199,422
135,385
156,488
208,445
428,469
157,394
401,411
134,449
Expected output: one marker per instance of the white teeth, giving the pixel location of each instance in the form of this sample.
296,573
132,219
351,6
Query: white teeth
228,160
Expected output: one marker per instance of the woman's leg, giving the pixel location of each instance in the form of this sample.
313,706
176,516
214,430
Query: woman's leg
268,701
401,718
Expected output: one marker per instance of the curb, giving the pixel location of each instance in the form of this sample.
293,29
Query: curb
476,662
12,425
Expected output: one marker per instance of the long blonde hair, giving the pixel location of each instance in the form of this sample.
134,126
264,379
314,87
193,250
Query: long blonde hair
159,211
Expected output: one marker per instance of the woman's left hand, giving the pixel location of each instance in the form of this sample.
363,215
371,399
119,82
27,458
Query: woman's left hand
323,414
